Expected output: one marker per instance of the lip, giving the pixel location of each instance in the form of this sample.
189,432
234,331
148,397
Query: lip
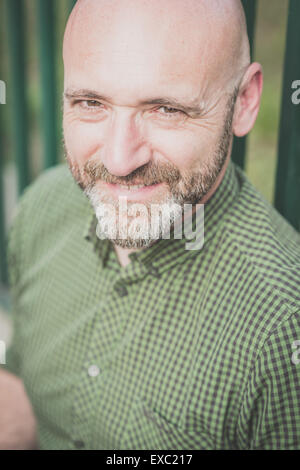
133,194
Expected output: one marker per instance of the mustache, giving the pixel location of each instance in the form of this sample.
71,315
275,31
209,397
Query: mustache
148,174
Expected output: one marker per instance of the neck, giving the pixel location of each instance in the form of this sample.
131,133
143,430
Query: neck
123,254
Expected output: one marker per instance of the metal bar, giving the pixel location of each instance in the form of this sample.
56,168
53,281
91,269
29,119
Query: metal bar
46,22
240,143
287,192
17,83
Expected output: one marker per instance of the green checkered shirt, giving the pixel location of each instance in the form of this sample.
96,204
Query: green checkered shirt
181,349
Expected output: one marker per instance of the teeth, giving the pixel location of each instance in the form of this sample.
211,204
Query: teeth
137,186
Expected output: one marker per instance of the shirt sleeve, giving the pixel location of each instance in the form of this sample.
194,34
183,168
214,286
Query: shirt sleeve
270,412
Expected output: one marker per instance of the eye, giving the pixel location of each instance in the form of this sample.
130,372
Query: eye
91,103
168,112
88,104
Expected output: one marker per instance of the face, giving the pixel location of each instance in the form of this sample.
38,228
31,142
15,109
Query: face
143,124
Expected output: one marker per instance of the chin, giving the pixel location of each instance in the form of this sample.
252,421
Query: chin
133,244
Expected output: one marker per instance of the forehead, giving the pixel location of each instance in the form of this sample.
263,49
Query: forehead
137,52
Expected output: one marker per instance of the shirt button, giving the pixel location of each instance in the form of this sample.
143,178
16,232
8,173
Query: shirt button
79,444
121,290
93,371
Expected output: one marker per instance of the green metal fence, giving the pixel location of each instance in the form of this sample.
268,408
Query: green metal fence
287,196
14,12
287,193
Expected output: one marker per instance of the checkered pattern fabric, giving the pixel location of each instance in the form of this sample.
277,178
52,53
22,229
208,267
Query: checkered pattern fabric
181,349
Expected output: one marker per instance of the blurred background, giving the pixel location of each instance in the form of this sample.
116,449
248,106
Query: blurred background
31,33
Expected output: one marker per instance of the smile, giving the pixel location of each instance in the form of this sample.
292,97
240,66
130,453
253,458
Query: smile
132,187
135,190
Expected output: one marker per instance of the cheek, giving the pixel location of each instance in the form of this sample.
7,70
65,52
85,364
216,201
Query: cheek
184,149
81,139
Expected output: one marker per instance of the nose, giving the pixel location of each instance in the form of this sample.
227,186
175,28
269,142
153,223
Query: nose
125,148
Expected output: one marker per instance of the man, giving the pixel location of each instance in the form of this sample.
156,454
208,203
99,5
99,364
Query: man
124,338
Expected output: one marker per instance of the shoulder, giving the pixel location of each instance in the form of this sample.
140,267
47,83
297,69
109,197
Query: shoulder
49,208
256,214
52,195
54,183
266,242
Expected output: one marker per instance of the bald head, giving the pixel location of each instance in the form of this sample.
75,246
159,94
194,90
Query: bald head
210,35
155,90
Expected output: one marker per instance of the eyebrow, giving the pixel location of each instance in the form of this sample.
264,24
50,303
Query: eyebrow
171,102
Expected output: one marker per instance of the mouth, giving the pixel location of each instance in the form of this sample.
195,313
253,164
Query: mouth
135,190
132,187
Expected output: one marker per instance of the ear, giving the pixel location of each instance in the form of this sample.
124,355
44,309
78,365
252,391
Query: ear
248,100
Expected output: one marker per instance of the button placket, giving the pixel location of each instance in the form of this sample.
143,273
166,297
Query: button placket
91,379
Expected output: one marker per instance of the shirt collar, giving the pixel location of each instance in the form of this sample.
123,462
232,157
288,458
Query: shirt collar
165,253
